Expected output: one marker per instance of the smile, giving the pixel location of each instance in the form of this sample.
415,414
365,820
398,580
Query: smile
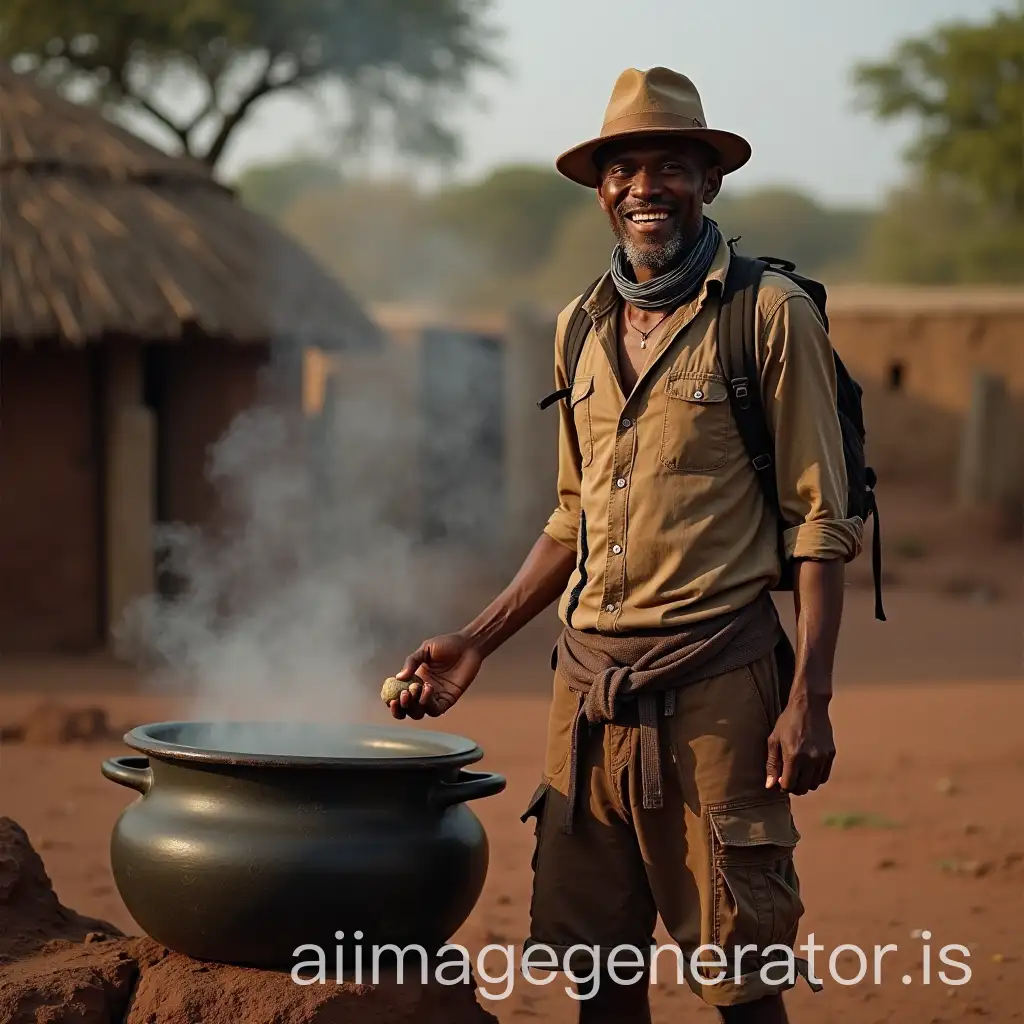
643,217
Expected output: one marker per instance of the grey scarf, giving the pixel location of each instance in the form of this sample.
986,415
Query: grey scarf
671,289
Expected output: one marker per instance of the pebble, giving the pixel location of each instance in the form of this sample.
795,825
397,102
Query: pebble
392,689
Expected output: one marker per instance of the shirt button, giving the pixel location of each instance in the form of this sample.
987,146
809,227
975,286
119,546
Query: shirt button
616,550
609,607
620,483
627,423
698,394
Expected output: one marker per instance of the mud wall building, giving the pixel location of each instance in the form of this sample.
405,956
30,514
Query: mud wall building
915,352
140,306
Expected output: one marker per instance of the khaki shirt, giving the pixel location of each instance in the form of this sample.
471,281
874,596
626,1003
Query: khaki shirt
656,493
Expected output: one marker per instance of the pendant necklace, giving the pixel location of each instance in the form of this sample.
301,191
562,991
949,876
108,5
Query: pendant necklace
643,336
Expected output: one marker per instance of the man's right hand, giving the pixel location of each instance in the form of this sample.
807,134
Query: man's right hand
445,665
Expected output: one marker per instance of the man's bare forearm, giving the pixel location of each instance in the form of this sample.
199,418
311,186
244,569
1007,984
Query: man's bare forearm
541,580
818,598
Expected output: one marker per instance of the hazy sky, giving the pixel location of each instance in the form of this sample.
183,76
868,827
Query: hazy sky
778,73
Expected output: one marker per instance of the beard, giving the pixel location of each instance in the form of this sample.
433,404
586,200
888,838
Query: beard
656,257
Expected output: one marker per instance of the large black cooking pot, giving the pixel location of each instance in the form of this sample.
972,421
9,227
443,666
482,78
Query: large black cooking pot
251,840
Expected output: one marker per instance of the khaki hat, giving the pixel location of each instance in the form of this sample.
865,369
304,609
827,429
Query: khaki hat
654,102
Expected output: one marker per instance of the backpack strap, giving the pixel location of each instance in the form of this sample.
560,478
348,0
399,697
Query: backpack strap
576,332
876,544
739,361
738,357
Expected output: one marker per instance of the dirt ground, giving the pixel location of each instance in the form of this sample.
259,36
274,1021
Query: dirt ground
919,829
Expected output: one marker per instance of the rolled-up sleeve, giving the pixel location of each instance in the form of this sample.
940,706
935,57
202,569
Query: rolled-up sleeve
799,393
564,522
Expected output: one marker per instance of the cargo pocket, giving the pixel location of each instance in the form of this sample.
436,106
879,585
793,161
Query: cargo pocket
579,406
755,896
697,423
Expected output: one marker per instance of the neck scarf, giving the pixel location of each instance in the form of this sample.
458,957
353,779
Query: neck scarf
675,286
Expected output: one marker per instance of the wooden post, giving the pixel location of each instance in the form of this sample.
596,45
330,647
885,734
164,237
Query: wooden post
986,456
130,487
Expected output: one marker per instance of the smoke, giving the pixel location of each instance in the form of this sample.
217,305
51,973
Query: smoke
326,554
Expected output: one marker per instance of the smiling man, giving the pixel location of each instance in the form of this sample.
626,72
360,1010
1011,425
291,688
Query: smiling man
675,742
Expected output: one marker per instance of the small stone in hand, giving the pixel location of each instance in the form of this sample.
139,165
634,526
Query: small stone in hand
392,689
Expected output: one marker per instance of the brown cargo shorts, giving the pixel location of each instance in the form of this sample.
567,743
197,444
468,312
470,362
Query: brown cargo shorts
715,861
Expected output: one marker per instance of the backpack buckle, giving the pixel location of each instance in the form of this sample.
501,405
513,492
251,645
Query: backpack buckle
740,390
550,400
762,462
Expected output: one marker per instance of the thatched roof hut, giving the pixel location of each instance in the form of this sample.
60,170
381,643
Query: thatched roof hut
103,235
140,307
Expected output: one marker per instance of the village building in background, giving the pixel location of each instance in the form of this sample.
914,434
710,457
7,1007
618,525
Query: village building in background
942,371
139,303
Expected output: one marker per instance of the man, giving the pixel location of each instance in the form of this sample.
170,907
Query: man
672,749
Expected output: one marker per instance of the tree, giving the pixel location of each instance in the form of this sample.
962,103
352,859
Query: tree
786,223
965,85
269,189
511,217
579,253
376,236
929,233
397,60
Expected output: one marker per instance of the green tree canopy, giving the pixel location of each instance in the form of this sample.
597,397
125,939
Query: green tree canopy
786,223
931,233
512,215
579,253
518,234
964,84
269,189
399,61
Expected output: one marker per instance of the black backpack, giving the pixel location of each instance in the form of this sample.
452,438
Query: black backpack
736,353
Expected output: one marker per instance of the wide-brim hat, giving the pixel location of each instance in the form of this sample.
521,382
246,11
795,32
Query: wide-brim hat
655,102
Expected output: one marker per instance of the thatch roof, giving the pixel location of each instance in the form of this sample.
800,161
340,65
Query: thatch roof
102,235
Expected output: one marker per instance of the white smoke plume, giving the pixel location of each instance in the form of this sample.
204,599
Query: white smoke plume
314,568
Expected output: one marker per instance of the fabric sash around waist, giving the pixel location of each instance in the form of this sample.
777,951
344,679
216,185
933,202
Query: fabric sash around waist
611,673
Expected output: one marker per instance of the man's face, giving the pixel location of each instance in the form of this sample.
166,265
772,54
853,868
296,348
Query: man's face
654,192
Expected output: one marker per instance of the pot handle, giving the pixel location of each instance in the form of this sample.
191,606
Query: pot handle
132,771
468,786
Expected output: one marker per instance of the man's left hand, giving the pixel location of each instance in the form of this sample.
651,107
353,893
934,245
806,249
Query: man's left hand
801,748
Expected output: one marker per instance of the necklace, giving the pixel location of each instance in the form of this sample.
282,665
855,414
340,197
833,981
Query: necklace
643,336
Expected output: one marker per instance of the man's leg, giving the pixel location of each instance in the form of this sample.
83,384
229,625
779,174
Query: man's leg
616,1003
620,1004
719,854
590,887
765,1011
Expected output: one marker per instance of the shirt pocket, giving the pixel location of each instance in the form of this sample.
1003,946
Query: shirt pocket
697,424
579,406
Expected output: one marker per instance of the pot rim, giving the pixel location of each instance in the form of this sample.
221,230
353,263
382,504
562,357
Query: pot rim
461,751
